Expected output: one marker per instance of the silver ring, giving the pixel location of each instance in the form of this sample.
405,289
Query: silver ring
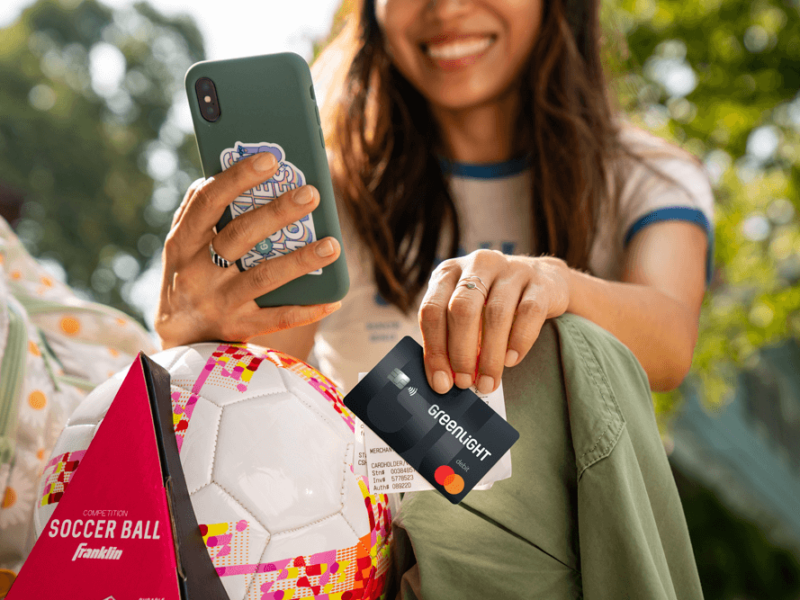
216,258
471,285
475,277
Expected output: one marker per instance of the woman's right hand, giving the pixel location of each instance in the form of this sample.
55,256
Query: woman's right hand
200,301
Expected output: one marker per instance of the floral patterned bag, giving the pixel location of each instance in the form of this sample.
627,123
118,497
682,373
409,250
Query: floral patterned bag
54,347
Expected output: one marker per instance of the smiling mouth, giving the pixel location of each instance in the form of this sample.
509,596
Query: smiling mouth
458,49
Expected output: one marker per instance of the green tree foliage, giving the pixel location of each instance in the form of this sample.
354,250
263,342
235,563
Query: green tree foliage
88,137
721,78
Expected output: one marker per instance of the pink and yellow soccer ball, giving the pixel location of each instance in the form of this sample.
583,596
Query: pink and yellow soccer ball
267,448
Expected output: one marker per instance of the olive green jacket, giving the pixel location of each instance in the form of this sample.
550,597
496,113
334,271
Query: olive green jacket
591,510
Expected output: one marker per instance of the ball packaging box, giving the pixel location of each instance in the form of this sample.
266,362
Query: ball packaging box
451,439
125,529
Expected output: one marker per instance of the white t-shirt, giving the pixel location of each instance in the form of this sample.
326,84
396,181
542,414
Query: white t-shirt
493,204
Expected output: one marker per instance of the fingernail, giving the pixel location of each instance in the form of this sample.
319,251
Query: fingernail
463,380
511,358
303,196
325,248
485,384
264,162
441,382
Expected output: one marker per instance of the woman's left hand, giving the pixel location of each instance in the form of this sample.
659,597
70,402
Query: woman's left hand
487,309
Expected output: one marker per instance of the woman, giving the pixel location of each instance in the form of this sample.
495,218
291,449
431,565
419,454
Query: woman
480,132
458,127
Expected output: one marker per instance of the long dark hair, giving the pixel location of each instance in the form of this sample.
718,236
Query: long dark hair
382,140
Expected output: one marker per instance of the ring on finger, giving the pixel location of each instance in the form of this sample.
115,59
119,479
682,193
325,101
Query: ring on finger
467,281
471,285
216,258
485,287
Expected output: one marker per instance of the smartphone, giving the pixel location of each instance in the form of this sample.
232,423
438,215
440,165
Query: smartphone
266,103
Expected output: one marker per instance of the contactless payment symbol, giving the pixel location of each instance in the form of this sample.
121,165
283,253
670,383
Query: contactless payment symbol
446,477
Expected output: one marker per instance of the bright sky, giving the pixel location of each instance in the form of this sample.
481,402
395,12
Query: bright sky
236,27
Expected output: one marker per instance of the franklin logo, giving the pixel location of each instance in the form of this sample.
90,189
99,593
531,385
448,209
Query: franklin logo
110,553
412,391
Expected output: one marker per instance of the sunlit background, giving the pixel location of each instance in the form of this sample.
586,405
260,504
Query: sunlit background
96,151
252,27
93,63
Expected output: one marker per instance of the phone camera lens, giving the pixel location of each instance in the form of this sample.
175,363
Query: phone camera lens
207,99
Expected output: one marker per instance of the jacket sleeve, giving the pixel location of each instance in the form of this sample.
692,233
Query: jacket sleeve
633,538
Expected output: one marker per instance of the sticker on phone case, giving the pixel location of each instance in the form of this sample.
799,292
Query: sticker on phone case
288,177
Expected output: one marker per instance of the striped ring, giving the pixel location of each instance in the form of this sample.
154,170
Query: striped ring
216,258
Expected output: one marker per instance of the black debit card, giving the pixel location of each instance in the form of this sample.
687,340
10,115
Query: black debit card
451,439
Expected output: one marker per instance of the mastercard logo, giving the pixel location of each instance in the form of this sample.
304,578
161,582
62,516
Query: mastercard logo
445,477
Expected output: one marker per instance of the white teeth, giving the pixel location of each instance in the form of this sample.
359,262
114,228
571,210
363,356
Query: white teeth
459,49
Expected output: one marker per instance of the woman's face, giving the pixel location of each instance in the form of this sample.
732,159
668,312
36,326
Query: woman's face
460,53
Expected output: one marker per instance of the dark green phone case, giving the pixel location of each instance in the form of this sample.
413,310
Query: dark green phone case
270,99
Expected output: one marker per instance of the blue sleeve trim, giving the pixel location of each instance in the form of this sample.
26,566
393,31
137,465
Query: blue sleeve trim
497,170
678,213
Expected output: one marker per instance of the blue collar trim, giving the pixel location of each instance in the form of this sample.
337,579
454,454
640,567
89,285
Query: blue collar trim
498,170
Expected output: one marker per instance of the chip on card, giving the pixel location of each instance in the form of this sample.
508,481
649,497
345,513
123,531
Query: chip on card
451,439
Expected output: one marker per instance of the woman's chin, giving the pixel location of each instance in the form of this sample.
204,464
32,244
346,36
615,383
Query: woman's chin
464,89
454,98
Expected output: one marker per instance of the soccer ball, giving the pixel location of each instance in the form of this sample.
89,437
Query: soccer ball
267,449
